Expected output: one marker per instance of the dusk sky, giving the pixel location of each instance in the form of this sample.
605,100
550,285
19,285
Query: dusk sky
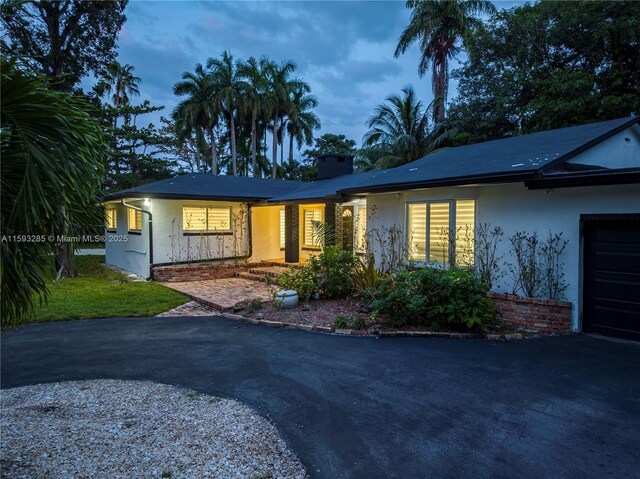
344,50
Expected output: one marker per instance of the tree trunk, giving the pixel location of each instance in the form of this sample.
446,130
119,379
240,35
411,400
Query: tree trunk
282,141
233,145
65,261
214,154
274,173
291,149
439,88
254,166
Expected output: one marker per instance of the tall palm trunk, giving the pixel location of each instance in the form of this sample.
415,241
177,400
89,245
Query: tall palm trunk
439,86
274,173
234,158
291,149
254,166
214,152
282,140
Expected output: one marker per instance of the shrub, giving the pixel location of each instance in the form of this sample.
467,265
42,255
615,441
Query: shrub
303,280
341,322
442,299
334,270
366,277
248,305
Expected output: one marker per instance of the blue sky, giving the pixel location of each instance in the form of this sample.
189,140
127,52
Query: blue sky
344,50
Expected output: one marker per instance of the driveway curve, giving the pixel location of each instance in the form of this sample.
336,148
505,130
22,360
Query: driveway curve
375,408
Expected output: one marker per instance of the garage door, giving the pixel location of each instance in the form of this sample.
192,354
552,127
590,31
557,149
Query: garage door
611,295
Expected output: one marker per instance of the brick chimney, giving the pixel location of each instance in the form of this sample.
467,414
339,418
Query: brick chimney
334,164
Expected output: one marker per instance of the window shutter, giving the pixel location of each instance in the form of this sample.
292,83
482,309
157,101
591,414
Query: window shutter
282,225
194,219
219,219
465,232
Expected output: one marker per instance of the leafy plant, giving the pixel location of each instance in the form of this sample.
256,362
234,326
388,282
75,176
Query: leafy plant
334,269
366,278
448,299
341,322
303,280
359,322
248,305
552,276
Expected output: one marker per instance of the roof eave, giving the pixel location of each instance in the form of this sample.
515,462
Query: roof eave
586,178
179,196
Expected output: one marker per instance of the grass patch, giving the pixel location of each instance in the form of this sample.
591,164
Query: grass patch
100,292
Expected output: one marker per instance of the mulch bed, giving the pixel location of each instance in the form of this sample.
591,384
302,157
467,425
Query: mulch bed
321,313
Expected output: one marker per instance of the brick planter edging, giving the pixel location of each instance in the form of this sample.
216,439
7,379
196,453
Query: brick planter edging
197,272
534,314
379,333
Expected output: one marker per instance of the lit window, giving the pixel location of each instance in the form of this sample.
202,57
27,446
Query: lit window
282,223
135,220
433,235
361,229
465,232
312,218
203,219
417,231
112,218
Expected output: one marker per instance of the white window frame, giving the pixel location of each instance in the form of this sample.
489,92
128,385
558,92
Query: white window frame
452,228
207,230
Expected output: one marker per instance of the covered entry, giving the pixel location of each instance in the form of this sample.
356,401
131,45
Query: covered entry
611,292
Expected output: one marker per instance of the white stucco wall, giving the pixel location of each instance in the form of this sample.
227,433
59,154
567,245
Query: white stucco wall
265,227
128,251
170,243
515,208
622,150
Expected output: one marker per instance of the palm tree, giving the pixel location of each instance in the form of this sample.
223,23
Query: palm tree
438,26
198,110
280,84
120,80
227,94
301,121
399,132
255,80
53,154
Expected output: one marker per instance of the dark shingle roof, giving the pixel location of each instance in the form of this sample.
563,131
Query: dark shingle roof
519,157
210,187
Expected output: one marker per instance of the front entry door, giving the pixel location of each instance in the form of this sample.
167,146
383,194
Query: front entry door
347,228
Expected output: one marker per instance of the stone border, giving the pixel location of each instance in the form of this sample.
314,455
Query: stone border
375,332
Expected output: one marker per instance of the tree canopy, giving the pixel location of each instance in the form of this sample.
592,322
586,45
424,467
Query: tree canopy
548,65
63,40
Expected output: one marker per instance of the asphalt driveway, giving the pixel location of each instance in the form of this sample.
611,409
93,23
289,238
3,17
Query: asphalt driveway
376,408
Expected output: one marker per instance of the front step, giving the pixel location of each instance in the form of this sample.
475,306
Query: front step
258,277
273,271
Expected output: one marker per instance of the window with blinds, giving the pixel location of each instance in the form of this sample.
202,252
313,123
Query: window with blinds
112,219
433,234
361,229
310,217
134,220
282,223
417,231
206,220
439,233
465,232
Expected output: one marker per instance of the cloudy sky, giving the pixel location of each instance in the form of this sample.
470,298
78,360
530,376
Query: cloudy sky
344,50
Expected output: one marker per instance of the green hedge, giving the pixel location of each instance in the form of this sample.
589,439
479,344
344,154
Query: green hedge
439,299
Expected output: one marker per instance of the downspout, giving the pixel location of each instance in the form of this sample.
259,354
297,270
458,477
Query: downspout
146,212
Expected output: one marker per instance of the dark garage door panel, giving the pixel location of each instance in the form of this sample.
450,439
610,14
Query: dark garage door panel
612,278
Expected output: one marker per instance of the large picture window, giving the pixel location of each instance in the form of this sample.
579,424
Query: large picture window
197,219
438,230
311,217
112,219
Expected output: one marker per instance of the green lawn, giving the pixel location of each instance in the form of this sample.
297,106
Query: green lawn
100,292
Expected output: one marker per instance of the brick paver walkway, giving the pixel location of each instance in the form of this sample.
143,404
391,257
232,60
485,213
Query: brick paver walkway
192,308
222,294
